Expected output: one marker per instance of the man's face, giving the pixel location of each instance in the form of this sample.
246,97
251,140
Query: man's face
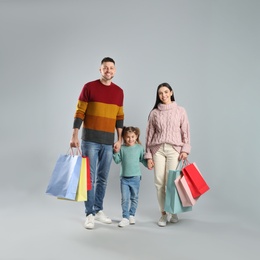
107,70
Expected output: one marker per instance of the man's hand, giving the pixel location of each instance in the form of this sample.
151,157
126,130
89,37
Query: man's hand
117,146
74,142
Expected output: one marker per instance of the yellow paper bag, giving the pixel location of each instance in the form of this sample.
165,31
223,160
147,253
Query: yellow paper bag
81,194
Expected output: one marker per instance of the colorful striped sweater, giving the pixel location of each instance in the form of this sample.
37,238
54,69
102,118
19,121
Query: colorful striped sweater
100,108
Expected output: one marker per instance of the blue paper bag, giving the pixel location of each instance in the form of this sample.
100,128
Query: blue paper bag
65,177
173,203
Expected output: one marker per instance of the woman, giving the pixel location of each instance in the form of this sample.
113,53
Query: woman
167,142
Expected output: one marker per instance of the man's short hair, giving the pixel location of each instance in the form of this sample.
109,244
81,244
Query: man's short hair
108,59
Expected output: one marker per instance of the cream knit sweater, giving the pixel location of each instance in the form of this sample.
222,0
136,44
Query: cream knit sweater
167,124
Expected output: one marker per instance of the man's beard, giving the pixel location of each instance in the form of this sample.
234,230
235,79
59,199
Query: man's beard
105,78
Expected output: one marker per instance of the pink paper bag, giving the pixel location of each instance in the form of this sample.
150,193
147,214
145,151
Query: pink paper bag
184,191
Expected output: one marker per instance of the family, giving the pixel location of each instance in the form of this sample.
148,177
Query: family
100,110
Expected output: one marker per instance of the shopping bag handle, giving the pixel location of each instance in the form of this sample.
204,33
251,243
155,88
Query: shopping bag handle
181,164
71,151
186,162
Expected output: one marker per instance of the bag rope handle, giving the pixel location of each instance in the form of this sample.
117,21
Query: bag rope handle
78,151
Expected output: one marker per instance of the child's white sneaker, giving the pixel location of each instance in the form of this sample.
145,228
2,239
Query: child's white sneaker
124,222
131,220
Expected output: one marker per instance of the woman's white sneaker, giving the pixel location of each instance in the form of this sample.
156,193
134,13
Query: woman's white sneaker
174,218
162,221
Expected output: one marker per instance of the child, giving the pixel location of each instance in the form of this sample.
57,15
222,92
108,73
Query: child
130,155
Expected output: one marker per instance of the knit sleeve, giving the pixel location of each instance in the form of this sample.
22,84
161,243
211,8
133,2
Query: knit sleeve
185,133
117,158
120,114
142,159
149,136
81,108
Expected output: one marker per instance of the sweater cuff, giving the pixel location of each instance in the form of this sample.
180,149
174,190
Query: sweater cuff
148,156
119,123
186,148
77,123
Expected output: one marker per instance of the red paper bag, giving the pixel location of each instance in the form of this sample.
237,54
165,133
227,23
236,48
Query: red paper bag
89,186
196,182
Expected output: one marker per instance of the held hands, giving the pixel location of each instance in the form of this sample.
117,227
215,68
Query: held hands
117,146
150,164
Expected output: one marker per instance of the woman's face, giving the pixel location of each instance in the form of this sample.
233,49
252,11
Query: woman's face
165,95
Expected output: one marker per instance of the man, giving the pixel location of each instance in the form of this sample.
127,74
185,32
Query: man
100,108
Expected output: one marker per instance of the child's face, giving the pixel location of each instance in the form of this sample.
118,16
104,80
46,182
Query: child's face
130,138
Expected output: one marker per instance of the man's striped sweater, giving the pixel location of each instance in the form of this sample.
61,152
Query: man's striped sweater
100,108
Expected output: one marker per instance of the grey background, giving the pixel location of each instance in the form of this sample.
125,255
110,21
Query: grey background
207,50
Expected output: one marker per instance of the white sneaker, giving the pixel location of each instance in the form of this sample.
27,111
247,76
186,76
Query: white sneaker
131,220
100,216
174,218
162,221
89,223
124,222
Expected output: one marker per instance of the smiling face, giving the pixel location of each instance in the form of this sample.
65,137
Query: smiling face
165,95
130,138
107,71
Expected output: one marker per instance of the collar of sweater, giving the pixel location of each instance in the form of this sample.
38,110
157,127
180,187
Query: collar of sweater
162,106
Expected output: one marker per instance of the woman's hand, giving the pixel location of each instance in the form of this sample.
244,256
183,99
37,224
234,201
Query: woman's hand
183,156
150,164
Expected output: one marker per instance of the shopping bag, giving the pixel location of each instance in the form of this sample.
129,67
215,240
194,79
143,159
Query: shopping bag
195,180
184,191
173,203
81,194
89,185
65,177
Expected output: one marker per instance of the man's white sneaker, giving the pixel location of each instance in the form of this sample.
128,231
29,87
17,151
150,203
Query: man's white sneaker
89,223
162,221
131,220
124,222
100,216
174,218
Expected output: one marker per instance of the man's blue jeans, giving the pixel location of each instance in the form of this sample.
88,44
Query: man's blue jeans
129,192
100,158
